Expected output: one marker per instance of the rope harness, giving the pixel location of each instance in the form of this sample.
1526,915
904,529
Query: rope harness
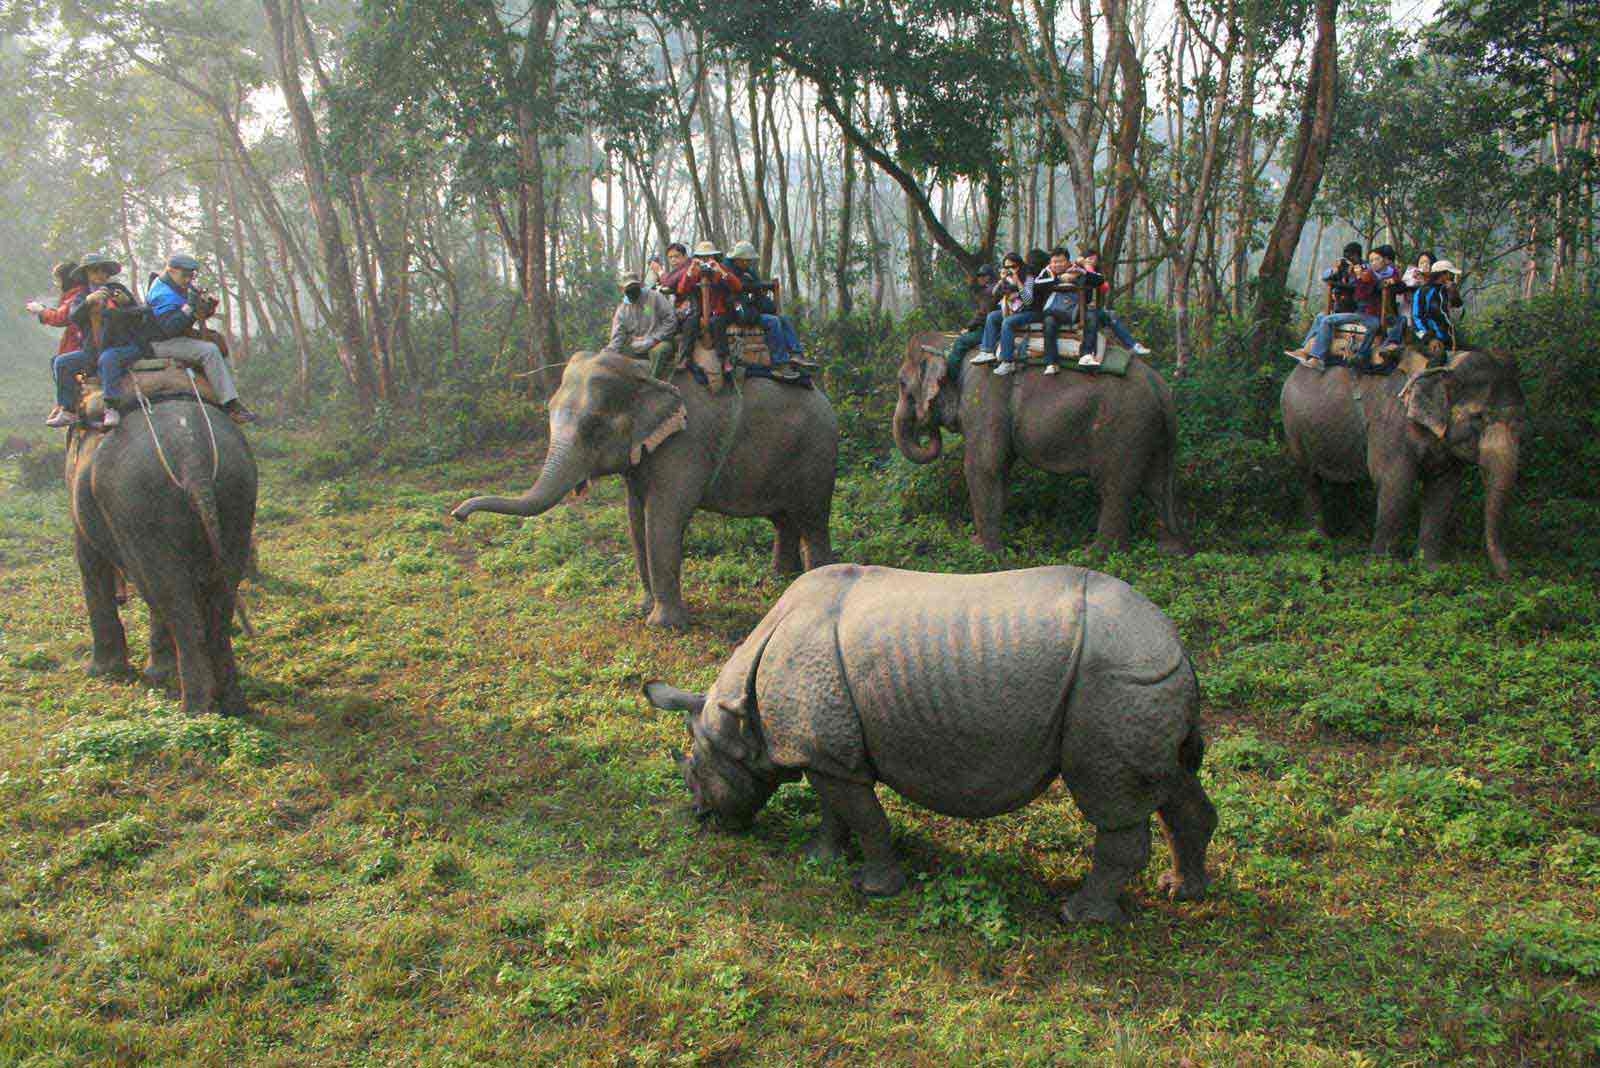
155,436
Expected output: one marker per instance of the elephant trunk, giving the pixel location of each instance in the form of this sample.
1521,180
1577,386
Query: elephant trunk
565,469
1497,457
907,434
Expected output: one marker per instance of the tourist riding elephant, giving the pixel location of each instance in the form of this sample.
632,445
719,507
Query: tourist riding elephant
968,695
170,503
1121,431
765,449
1402,429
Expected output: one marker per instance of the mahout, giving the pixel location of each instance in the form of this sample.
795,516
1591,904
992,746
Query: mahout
968,695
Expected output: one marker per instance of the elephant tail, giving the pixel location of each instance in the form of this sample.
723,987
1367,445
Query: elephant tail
202,496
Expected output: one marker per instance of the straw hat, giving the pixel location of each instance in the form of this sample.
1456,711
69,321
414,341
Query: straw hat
706,248
744,250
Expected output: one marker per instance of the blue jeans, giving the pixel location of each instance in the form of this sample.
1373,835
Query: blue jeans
1397,332
1091,330
1321,336
63,368
991,330
1008,333
114,364
782,341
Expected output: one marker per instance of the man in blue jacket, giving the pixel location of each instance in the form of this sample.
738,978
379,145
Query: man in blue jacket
175,307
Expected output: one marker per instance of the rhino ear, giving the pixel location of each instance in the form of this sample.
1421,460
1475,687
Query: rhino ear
1428,401
672,699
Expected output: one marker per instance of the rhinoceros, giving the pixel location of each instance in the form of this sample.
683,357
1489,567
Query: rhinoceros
968,695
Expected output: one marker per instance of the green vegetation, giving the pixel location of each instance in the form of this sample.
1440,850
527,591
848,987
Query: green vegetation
451,832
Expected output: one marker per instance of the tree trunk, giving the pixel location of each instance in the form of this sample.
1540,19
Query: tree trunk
764,221
339,284
1245,166
841,267
1311,150
791,273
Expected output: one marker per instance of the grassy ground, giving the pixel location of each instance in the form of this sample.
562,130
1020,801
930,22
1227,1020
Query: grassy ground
451,833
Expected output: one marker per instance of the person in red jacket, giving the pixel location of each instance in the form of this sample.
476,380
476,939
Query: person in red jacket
721,283
68,360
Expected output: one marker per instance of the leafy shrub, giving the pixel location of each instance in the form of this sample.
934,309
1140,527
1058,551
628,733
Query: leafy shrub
166,731
971,902
1247,751
1551,940
1449,810
40,468
115,843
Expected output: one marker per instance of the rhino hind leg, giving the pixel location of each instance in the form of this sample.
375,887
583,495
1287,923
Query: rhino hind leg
831,839
853,806
1119,856
1188,820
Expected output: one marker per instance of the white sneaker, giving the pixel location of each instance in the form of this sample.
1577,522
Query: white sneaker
983,357
111,418
1052,369
1005,368
1088,361
1141,349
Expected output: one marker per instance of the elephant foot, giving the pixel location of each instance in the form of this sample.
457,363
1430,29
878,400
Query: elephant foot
664,615
879,880
824,848
1180,888
108,668
1083,907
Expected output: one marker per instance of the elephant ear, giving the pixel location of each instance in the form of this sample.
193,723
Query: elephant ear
1427,398
659,415
929,382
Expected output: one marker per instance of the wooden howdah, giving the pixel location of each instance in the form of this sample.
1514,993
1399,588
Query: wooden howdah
748,345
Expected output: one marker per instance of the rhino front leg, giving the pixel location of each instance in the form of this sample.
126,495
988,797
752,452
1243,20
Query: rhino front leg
1119,856
855,806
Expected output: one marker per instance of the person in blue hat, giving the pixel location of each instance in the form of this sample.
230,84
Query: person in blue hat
176,306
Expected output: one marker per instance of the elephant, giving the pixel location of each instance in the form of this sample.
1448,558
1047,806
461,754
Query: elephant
1121,431
764,449
1427,425
172,504
968,695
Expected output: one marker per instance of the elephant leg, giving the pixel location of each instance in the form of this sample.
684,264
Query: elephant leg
219,643
1438,509
855,805
1394,504
1311,508
162,670
110,656
986,487
1160,491
815,539
196,673
1119,856
665,519
786,545
641,551
1116,495
1188,819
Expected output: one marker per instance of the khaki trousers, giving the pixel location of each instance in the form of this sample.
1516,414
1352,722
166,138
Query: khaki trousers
193,352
